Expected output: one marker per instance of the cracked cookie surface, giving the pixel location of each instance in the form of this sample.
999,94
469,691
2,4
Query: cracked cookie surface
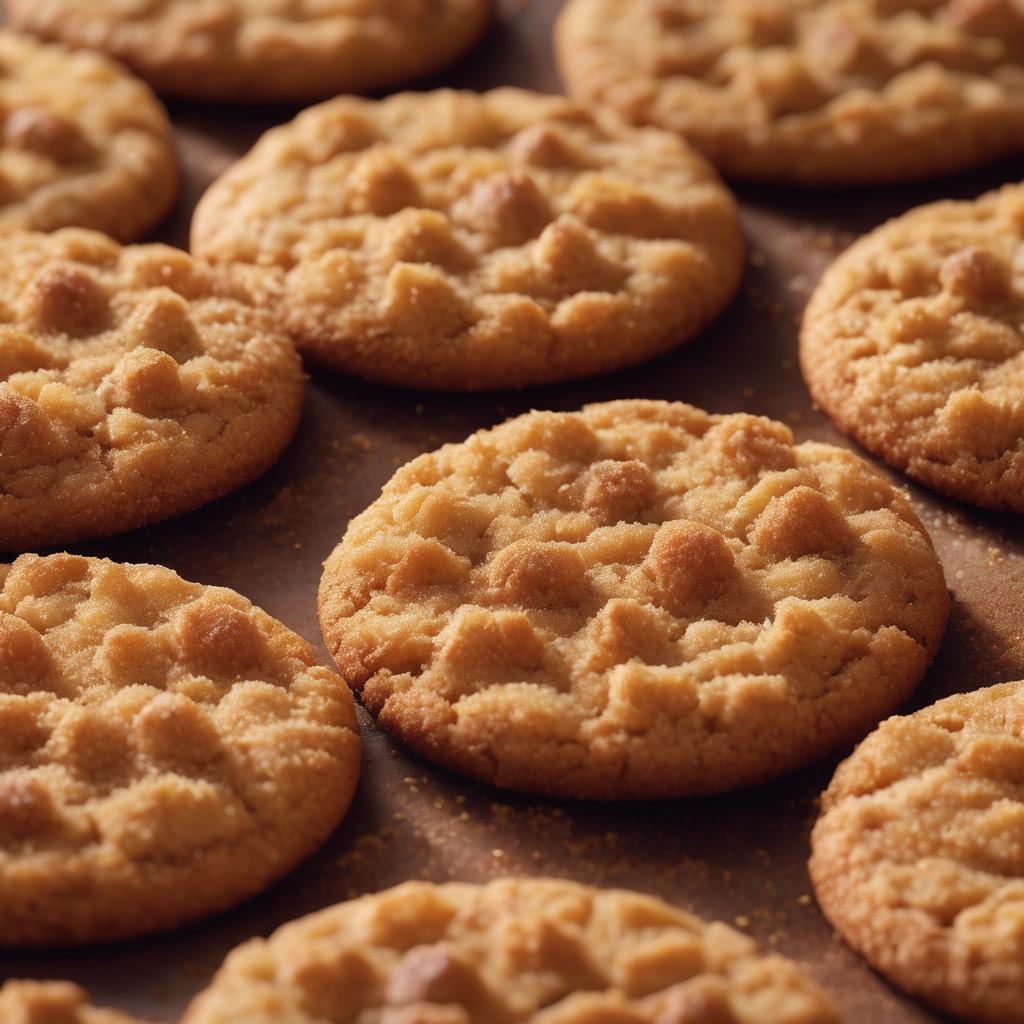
166,750
814,91
52,1002
918,856
460,241
636,600
541,950
260,51
135,384
913,343
82,143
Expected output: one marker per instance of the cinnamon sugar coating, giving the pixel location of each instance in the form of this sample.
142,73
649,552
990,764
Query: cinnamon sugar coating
918,856
135,384
539,950
913,343
265,51
461,241
82,143
813,91
166,750
636,600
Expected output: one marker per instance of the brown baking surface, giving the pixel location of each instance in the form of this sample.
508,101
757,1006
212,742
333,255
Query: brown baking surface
739,858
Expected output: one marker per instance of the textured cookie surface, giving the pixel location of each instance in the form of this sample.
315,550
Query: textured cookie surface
166,750
639,599
52,1002
82,143
540,950
913,343
265,50
918,857
819,91
134,384
455,240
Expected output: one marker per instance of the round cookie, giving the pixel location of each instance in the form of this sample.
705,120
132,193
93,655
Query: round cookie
820,92
918,856
260,51
913,343
539,950
461,241
166,750
82,143
52,1002
135,384
636,600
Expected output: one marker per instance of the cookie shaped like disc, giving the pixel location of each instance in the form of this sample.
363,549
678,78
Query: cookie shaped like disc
82,143
265,51
636,600
814,91
918,856
135,384
460,241
913,344
166,750
539,950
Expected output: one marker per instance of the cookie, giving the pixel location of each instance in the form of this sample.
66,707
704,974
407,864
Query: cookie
913,344
166,750
52,1002
636,600
541,950
461,241
135,384
822,92
918,856
82,143
260,51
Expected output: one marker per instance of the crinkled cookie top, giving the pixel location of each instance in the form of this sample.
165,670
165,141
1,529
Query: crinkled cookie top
456,240
135,384
166,750
919,853
913,342
264,50
545,951
82,143
52,1002
639,599
824,91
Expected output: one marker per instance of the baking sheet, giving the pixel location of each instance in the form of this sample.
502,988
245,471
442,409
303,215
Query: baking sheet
739,858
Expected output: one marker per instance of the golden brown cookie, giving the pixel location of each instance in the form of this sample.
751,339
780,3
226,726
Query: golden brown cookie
918,856
52,1002
914,344
135,384
814,91
636,600
166,750
258,51
82,143
538,950
462,241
